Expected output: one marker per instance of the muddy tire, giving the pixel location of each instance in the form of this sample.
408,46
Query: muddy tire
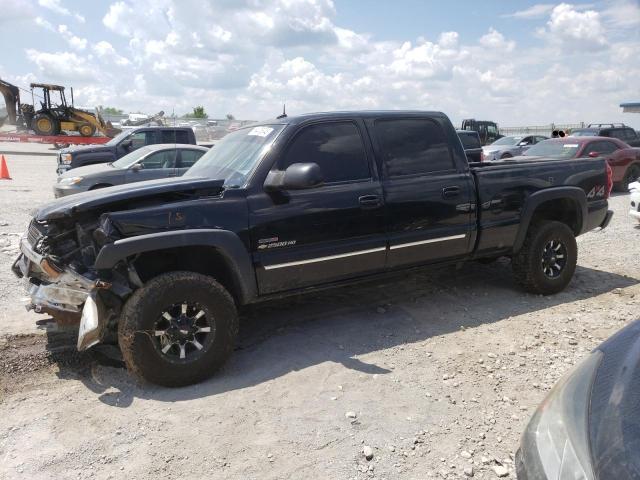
86,130
178,329
547,260
45,124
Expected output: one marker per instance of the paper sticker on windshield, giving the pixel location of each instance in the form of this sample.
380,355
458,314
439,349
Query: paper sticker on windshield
570,145
260,131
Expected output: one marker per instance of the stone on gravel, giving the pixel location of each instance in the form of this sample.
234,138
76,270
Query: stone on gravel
368,452
500,471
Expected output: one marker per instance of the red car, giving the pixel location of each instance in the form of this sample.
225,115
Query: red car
623,159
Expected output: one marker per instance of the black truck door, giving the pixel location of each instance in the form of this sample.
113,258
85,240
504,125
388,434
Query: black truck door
327,233
428,200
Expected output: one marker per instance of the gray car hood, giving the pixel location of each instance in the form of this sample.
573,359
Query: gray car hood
91,169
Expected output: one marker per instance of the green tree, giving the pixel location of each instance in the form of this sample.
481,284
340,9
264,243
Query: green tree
112,111
230,117
198,112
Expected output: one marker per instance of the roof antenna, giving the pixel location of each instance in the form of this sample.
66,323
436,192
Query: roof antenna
284,111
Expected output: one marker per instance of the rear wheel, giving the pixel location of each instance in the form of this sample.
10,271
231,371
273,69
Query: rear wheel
178,329
547,260
86,130
631,175
45,124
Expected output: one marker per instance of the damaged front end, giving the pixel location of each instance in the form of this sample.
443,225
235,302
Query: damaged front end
56,259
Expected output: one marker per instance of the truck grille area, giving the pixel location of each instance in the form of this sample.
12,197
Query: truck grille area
34,235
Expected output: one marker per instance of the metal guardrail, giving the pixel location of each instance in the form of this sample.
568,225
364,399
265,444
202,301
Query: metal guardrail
541,129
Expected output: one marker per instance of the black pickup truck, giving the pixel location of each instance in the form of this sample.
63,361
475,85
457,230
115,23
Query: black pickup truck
121,145
288,205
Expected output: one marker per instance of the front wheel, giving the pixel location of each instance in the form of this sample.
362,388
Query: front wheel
547,260
178,329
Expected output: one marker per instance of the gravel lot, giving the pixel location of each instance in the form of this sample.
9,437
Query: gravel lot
430,375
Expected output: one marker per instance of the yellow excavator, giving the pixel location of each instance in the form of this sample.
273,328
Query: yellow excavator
53,116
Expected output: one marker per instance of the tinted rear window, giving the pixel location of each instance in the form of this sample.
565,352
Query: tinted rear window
413,146
469,141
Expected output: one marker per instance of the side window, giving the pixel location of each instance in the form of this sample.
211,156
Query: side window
138,140
607,147
591,147
189,157
163,159
469,141
182,137
529,140
168,136
617,134
413,146
336,147
630,134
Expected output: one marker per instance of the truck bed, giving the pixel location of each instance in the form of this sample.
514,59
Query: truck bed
503,189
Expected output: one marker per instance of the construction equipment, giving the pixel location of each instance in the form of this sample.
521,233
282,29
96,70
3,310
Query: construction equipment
11,95
52,117
157,119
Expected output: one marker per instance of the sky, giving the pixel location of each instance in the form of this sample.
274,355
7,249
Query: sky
517,63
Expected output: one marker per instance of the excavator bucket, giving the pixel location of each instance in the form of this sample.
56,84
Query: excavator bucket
11,95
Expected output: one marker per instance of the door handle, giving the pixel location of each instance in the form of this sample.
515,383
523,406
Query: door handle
450,192
369,201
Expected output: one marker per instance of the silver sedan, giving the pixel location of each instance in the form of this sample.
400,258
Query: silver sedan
146,163
507,147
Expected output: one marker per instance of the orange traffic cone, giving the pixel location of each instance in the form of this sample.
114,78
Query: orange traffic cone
4,171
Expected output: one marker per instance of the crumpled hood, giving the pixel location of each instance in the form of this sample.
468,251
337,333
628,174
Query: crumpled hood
105,198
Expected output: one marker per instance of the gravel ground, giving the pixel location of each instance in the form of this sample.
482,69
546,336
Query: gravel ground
431,375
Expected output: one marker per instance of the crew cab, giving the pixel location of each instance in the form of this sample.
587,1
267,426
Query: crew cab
121,145
286,206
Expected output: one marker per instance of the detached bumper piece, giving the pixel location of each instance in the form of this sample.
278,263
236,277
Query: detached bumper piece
60,293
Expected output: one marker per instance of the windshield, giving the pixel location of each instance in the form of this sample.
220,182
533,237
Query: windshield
507,141
584,133
130,159
234,157
553,149
118,138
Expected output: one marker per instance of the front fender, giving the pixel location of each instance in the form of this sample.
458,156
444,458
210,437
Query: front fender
227,243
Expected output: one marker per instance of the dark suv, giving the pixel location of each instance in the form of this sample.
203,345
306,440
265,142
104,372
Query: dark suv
614,130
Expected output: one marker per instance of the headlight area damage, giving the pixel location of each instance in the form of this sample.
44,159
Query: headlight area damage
66,237
57,258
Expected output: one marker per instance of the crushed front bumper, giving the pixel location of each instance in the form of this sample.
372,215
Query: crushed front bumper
60,294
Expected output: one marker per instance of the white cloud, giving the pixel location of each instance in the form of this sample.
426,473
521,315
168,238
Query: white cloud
15,11
623,13
535,11
495,40
62,66
249,56
573,29
74,41
105,50
41,22
56,6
